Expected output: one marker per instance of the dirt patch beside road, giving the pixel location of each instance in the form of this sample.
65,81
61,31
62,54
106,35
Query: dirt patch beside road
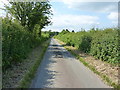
12,77
103,67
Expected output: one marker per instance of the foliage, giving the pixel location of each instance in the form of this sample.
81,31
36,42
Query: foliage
51,34
64,31
17,42
85,43
21,29
31,13
102,44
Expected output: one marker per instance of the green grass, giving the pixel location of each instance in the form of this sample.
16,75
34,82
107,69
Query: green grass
26,81
104,77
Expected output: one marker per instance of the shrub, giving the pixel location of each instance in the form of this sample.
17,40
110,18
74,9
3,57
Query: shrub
16,42
85,44
102,44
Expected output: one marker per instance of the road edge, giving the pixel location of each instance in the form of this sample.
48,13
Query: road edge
27,79
105,78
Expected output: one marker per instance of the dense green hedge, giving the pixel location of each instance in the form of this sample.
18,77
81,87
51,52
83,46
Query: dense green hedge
102,44
17,42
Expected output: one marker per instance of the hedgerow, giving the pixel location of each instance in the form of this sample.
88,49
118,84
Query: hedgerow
102,44
17,42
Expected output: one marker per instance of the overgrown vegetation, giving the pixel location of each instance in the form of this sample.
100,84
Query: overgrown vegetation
26,81
17,42
102,44
21,29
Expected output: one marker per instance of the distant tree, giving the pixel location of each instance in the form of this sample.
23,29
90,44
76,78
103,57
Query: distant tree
65,31
50,30
73,31
93,29
83,30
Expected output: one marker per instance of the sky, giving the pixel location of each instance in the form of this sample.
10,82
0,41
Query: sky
82,14
74,15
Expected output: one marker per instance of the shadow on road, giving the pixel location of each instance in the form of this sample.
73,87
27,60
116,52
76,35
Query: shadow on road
55,45
45,76
60,52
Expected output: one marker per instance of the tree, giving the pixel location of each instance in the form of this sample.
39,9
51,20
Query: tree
31,13
65,31
73,31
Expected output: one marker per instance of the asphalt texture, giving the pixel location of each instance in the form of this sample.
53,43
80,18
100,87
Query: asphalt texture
60,69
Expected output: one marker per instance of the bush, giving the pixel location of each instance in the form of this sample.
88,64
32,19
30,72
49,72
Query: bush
102,44
85,44
16,42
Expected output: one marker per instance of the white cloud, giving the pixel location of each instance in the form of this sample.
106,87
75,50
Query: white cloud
115,22
113,16
93,6
73,22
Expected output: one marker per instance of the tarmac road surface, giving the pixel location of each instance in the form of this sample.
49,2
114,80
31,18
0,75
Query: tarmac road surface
60,69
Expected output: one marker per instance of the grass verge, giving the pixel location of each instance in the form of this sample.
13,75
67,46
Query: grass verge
104,77
26,80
